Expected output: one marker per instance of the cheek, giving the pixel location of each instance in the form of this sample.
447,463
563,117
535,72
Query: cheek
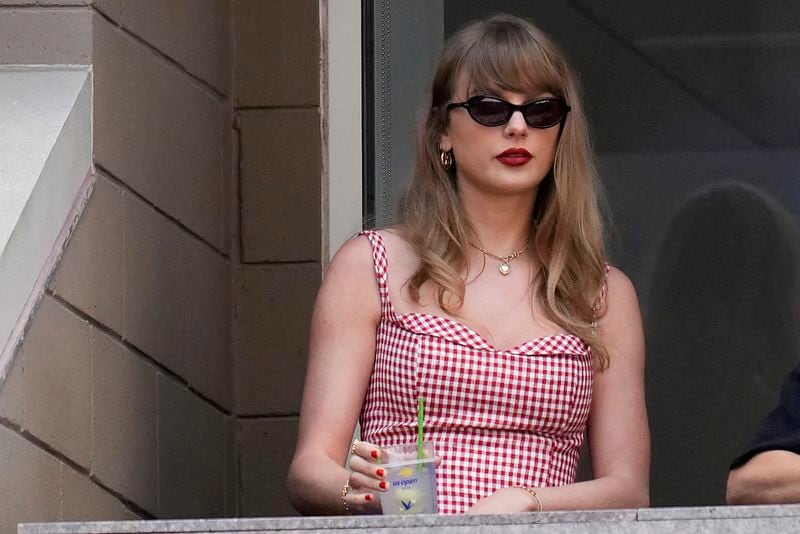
465,133
471,154
549,144
465,148
474,138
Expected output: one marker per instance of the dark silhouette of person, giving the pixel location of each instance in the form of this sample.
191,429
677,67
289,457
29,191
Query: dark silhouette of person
722,334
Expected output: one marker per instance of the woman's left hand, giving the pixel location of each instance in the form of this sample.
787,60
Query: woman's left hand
505,501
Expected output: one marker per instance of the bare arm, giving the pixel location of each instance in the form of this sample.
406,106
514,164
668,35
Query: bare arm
771,477
341,355
619,438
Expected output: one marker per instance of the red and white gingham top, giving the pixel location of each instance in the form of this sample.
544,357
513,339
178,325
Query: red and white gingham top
497,418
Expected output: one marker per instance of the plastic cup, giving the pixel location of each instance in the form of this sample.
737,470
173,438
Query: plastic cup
412,480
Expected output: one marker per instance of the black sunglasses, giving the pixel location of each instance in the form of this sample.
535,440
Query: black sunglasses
492,111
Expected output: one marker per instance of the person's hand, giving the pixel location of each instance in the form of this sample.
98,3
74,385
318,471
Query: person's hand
504,501
367,479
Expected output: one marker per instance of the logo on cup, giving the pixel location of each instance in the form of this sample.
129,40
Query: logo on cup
405,482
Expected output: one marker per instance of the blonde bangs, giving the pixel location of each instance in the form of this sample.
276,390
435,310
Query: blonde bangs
502,60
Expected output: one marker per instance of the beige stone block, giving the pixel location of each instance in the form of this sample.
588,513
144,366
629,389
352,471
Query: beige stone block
194,33
57,359
231,468
29,485
177,296
46,36
159,131
83,500
277,52
191,454
266,448
274,304
125,422
90,274
230,191
280,186
11,396
112,9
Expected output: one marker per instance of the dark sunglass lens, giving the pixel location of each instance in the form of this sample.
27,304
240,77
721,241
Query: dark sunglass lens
544,113
488,112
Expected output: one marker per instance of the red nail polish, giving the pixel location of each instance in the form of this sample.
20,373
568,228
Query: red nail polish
383,484
367,497
374,454
380,472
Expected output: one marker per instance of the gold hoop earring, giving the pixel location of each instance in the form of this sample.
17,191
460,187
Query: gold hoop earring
446,158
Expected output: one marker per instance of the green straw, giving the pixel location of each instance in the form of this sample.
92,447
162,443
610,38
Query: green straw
420,422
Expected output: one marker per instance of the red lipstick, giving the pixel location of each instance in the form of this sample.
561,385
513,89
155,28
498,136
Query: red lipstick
515,157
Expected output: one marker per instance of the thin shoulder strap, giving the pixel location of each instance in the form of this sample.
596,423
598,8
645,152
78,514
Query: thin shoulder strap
600,301
381,268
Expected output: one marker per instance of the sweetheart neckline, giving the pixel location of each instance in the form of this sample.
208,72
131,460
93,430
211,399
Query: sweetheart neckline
476,334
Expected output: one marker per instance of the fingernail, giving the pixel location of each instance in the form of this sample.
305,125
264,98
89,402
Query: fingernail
367,497
374,454
383,485
380,472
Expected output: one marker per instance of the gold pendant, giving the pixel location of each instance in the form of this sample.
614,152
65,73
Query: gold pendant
504,268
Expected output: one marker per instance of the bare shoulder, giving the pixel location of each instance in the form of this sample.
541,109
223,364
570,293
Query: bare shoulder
355,257
621,293
353,260
621,324
350,282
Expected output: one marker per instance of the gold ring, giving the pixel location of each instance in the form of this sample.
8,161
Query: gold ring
353,447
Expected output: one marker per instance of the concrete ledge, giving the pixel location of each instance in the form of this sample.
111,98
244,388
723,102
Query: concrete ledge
733,519
45,179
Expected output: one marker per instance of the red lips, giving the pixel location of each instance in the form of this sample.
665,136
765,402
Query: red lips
515,157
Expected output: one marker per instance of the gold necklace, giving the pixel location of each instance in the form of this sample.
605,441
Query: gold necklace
505,261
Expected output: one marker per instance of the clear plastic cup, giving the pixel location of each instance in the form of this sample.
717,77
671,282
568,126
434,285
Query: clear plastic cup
412,481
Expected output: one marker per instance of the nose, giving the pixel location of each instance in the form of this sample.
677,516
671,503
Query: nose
516,125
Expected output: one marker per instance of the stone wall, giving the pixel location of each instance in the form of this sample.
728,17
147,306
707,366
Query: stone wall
277,112
161,374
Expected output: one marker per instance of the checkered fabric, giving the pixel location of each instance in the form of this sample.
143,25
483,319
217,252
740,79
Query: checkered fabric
497,418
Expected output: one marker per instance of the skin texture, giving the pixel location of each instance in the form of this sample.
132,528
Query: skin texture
771,477
498,200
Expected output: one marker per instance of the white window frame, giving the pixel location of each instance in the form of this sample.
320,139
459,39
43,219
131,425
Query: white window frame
341,124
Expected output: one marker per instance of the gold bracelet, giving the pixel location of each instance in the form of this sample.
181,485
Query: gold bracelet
345,490
533,495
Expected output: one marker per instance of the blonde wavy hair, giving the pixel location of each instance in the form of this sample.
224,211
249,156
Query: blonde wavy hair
506,53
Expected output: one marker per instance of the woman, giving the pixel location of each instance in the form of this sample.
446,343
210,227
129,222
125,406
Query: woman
491,299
